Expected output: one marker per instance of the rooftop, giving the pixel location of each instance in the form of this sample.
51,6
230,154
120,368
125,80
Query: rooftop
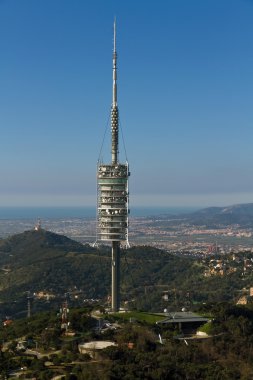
97,345
182,316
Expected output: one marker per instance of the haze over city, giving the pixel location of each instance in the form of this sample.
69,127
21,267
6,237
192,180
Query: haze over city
185,100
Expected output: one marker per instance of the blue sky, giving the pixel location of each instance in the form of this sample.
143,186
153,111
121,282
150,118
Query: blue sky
185,99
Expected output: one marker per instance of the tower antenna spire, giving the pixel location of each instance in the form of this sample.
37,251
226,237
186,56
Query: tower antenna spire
114,74
114,110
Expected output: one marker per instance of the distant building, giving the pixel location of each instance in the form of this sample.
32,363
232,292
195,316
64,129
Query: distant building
37,226
165,296
184,320
7,322
247,263
21,345
44,295
243,300
93,348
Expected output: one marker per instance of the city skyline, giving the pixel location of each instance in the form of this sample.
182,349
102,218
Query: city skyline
185,79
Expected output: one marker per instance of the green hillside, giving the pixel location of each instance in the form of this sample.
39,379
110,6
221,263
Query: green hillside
43,261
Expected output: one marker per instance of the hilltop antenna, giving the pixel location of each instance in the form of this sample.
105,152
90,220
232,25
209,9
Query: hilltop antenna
112,192
29,299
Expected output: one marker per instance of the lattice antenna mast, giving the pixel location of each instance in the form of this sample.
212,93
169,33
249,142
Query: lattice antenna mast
114,111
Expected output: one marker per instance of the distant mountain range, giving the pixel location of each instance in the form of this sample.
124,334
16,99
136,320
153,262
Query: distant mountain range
241,214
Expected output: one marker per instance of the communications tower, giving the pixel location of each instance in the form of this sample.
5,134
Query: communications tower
112,194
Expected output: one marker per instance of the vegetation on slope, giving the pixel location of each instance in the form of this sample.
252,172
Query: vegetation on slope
228,355
42,261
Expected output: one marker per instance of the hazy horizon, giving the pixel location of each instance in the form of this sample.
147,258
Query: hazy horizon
167,201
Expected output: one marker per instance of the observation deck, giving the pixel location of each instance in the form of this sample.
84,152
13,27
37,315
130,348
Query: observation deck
112,210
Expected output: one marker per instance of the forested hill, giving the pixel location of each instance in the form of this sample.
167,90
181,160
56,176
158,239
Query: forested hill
33,246
43,261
